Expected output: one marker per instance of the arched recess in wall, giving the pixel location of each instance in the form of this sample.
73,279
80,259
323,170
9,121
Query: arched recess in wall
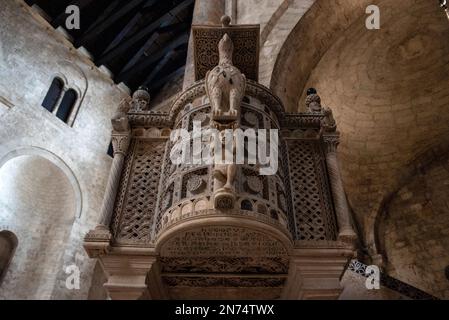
8,245
38,203
57,161
387,88
412,228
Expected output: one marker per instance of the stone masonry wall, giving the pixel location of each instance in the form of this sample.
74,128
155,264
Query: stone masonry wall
417,231
32,53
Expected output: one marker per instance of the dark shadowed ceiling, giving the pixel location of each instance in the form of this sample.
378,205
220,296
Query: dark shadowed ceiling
143,42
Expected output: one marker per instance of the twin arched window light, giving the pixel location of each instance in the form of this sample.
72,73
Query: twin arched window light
66,105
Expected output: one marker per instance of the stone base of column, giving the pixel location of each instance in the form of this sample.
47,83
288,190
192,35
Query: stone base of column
347,236
97,241
314,273
133,277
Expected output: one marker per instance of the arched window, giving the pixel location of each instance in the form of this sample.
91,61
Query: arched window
8,245
53,94
67,104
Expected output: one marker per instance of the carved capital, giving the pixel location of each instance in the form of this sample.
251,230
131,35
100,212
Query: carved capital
120,142
97,241
331,141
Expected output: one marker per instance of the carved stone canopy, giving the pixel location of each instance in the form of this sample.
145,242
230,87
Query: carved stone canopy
246,48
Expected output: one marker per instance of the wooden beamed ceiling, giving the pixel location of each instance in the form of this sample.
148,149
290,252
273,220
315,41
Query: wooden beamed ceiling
142,42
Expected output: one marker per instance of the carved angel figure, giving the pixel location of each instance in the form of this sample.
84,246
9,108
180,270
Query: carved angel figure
225,84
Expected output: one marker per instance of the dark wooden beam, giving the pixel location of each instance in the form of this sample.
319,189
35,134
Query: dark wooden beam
161,64
103,16
108,22
147,61
164,27
124,32
165,20
160,82
173,57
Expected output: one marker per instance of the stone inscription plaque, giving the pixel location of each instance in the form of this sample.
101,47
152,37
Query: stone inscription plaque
223,241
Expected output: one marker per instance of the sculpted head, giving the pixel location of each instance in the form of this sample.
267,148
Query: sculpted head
141,99
225,49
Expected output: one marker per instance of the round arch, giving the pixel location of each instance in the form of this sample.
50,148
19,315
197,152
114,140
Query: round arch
53,158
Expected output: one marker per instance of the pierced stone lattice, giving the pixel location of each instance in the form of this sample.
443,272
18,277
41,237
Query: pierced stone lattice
201,115
142,190
315,219
252,119
200,174
283,171
263,191
122,189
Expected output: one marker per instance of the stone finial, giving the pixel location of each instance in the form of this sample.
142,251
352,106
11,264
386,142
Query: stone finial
141,99
313,101
225,21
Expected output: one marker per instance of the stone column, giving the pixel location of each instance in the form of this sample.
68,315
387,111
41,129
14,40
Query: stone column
97,241
205,12
120,143
345,230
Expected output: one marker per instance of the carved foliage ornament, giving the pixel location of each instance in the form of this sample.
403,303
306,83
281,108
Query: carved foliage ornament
254,183
195,184
120,143
245,39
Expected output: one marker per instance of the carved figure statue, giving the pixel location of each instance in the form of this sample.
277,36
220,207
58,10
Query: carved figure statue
224,175
313,101
141,99
329,123
120,121
225,84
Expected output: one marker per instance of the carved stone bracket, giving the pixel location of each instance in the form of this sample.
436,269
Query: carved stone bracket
97,241
133,277
314,273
